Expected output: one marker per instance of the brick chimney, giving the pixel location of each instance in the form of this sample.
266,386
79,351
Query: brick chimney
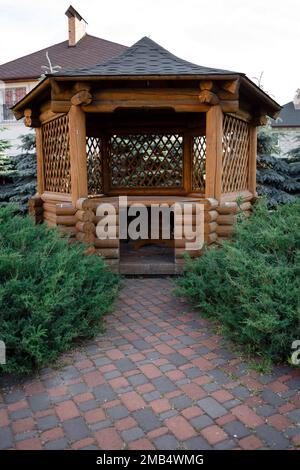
77,26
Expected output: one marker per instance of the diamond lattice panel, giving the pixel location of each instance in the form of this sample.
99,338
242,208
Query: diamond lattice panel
146,161
199,161
94,154
56,154
236,143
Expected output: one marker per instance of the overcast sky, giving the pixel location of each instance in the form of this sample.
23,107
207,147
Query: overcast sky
247,36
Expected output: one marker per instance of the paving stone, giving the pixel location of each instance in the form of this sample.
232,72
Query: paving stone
212,407
273,438
14,396
132,434
20,414
76,429
47,422
272,398
69,372
225,445
39,402
164,385
294,416
147,419
237,429
151,396
166,442
201,422
118,412
6,438
219,376
181,402
59,444
104,393
176,359
197,443
240,392
138,379
265,410
193,372
125,365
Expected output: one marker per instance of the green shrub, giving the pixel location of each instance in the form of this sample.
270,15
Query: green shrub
252,286
50,293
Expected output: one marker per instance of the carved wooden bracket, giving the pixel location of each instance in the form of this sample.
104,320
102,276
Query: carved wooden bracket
207,96
231,86
82,97
31,120
259,120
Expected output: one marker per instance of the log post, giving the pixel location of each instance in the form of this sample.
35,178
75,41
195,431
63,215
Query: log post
252,161
214,152
77,131
40,162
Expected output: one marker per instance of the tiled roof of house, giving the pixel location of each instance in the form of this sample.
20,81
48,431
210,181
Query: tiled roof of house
89,51
289,116
145,57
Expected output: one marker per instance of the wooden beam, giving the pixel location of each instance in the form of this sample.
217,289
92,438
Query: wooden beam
229,106
40,162
214,152
77,130
252,160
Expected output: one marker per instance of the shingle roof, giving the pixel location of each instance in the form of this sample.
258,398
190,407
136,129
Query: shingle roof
89,51
288,116
145,57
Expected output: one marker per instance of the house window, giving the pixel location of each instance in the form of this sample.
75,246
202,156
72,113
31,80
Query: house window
10,97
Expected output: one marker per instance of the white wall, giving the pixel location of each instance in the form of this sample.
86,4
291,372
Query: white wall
12,130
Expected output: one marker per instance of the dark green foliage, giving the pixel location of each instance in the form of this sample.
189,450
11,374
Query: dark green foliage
22,184
50,293
252,286
278,179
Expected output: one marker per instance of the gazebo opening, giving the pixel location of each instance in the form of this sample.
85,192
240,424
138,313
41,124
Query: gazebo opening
145,152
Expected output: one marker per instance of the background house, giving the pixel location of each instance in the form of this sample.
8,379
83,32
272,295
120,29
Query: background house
19,76
287,125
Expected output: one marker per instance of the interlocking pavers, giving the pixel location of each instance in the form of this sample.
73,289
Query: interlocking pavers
158,378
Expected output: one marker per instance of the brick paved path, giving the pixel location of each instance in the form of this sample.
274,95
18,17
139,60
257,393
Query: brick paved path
159,378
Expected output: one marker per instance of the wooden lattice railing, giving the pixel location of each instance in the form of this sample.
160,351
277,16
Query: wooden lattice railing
56,155
146,160
94,155
236,146
198,164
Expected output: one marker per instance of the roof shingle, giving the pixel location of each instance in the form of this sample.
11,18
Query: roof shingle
289,116
145,57
89,51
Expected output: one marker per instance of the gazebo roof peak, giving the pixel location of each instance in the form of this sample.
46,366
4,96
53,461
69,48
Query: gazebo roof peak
148,58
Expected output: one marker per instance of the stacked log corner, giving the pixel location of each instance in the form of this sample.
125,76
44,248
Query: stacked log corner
228,213
210,233
87,221
35,209
62,216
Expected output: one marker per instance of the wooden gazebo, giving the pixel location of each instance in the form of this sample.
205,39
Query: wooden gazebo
151,126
